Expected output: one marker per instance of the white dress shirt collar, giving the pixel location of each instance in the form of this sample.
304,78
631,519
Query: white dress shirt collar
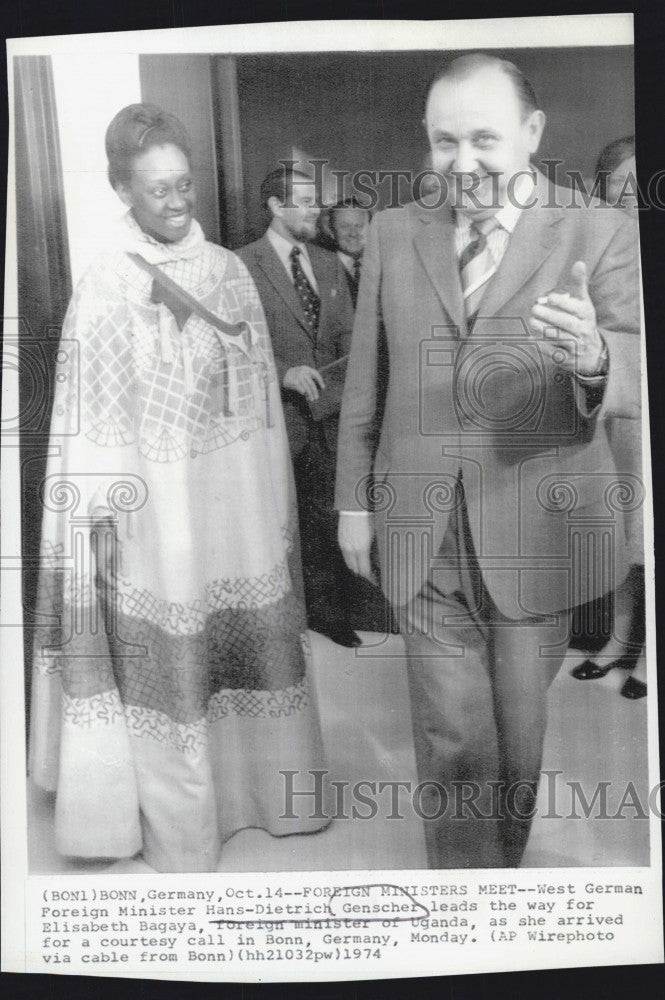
508,215
283,248
348,261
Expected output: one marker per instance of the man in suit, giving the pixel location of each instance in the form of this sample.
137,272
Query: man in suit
512,323
306,300
347,223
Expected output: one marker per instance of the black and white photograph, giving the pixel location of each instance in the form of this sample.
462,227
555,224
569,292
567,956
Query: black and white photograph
327,455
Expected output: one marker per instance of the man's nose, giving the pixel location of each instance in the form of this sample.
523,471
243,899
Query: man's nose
465,161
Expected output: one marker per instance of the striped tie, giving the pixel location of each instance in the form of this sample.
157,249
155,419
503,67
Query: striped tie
477,266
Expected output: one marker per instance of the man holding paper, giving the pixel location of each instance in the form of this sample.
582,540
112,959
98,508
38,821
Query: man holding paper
306,300
512,324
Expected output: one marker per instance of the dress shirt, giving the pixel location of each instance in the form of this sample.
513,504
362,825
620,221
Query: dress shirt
507,218
283,248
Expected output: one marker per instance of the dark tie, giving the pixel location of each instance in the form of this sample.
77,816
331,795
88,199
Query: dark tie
476,266
356,279
311,303
353,279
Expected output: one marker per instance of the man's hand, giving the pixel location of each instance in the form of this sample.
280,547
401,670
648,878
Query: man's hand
304,380
573,315
355,535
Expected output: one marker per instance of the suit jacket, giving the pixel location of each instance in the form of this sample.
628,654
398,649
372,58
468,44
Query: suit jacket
546,510
353,286
292,341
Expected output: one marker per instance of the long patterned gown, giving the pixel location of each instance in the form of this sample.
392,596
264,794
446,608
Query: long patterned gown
170,686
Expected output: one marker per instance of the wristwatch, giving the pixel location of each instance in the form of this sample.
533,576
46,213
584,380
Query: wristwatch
603,366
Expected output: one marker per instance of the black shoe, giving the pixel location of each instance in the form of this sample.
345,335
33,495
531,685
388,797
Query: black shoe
634,689
590,671
343,635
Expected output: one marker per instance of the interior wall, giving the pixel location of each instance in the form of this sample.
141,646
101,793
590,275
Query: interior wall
89,91
182,85
364,111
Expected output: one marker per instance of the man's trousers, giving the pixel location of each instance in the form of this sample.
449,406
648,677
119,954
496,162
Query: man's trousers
478,684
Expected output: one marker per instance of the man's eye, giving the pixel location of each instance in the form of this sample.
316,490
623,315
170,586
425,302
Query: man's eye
159,192
185,186
485,141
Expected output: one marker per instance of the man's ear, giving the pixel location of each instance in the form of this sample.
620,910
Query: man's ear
275,205
535,126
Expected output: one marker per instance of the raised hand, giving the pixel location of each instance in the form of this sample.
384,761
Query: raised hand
573,316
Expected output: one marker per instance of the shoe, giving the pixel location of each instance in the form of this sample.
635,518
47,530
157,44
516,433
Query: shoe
590,671
343,635
634,689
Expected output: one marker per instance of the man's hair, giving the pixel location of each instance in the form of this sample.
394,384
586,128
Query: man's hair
279,184
466,65
610,157
352,202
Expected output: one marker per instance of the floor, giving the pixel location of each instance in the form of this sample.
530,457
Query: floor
593,735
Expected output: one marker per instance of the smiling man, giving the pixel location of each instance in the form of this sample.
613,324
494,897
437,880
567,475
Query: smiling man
511,326
346,224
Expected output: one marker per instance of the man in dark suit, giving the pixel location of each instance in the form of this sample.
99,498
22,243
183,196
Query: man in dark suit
306,300
512,328
346,225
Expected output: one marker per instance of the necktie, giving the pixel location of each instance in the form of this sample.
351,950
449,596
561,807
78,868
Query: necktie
311,302
476,266
356,280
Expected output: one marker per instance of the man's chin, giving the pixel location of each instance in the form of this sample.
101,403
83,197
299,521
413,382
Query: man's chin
475,212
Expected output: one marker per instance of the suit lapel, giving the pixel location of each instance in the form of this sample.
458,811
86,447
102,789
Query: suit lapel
274,270
533,240
529,246
435,243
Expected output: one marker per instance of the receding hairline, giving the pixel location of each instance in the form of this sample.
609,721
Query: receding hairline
466,66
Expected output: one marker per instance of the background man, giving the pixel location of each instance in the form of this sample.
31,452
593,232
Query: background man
511,324
347,224
308,309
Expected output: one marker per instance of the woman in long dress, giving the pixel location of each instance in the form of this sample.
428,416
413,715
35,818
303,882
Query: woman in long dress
170,683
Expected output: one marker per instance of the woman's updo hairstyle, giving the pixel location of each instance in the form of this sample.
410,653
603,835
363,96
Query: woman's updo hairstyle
136,129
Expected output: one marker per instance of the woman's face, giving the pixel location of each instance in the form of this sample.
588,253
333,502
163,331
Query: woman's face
622,186
161,193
